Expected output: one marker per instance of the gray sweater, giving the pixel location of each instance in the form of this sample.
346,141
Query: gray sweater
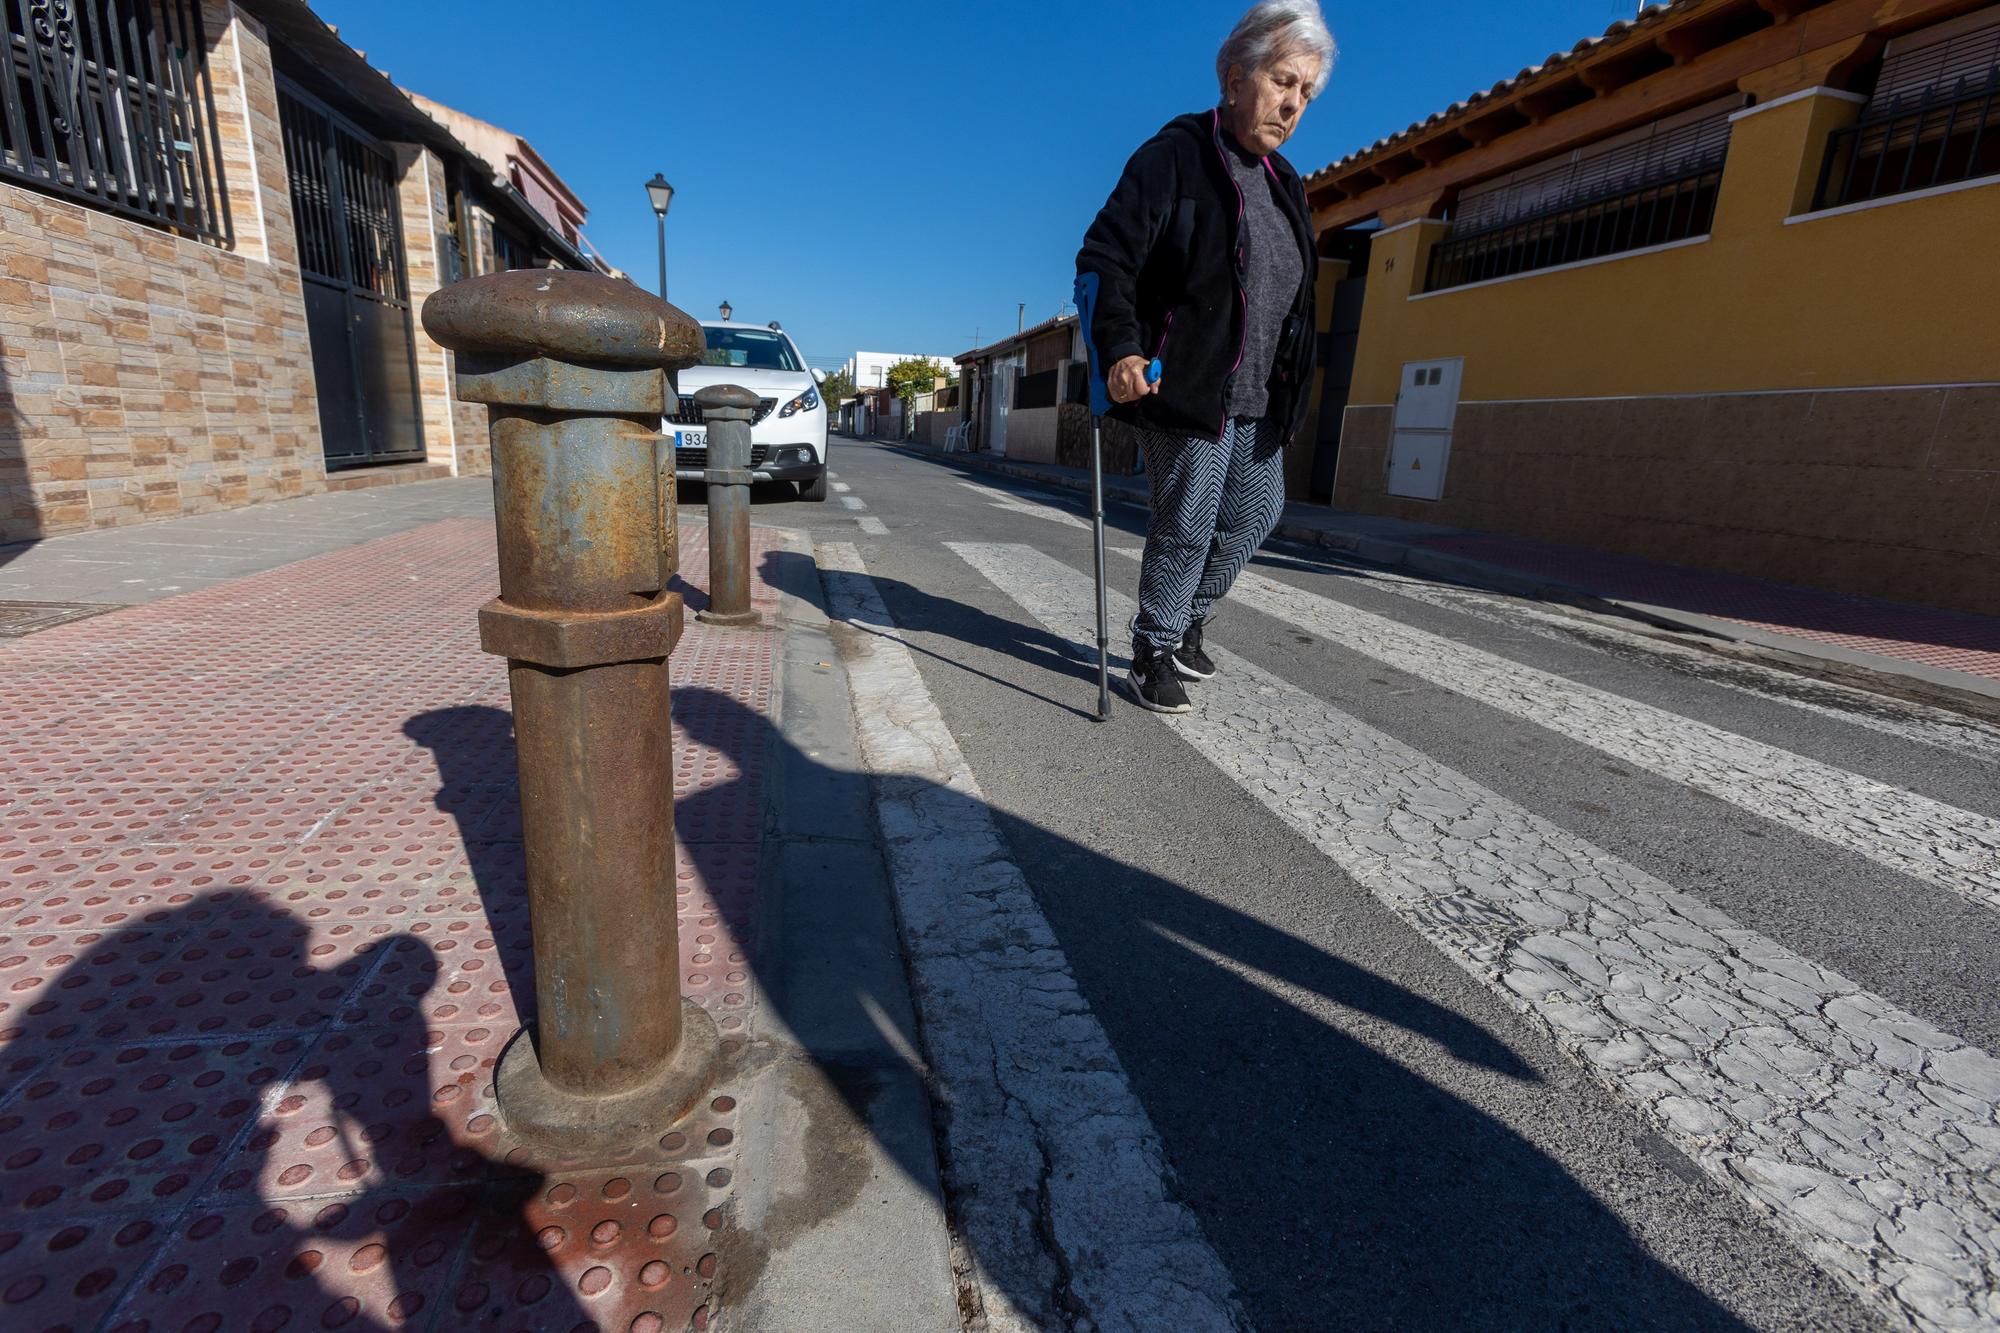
1271,274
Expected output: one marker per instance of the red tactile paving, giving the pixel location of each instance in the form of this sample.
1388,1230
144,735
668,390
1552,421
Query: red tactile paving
1951,640
263,936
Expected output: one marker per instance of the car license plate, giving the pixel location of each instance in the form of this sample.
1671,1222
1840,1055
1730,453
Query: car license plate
690,439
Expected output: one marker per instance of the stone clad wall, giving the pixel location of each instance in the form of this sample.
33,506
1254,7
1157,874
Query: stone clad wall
144,375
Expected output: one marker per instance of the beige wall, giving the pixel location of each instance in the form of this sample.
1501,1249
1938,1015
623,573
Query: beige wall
144,375
1031,434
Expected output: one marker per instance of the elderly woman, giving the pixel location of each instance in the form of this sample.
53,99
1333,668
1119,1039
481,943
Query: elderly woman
1204,259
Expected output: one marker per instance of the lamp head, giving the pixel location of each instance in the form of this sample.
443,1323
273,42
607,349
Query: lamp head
660,193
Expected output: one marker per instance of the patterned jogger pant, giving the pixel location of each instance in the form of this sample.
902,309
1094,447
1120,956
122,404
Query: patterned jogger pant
1214,503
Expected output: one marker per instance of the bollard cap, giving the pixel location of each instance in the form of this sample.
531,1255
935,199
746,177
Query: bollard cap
563,315
724,396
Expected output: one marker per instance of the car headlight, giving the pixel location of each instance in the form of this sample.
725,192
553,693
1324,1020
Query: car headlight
805,402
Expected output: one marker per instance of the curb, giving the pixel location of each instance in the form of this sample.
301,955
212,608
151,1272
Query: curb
1937,686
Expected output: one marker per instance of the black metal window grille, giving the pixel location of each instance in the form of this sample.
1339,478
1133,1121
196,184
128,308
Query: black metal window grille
344,204
1941,136
510,251
1628,215
108,102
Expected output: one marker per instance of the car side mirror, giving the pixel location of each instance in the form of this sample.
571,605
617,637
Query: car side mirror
819,376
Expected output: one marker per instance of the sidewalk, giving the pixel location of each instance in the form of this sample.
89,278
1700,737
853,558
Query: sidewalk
1945,653
263,936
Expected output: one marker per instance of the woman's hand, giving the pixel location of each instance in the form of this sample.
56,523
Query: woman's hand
1127,381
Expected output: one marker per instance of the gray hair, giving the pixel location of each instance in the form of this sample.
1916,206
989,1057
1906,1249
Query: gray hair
1272,30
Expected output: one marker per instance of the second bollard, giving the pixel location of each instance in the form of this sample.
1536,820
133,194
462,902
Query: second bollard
729,412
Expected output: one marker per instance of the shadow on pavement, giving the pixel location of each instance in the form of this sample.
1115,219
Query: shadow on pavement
281,1158
1327,1177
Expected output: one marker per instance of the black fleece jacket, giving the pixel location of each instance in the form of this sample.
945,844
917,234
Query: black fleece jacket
1167,249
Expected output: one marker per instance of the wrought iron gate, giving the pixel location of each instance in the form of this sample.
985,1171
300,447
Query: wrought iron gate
357,292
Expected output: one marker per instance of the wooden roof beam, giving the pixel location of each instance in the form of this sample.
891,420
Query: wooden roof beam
1542,103
1784,11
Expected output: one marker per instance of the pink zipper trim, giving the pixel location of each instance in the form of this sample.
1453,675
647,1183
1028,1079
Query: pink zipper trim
1161,346
1243,340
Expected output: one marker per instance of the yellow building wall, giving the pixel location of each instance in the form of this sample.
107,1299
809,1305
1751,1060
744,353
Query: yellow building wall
1902,293
1813,399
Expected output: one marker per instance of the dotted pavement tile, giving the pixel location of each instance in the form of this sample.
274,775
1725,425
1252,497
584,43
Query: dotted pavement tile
65,1272
135,1126
375,1261
150,885
261,892
407,1106
617,1248
247,971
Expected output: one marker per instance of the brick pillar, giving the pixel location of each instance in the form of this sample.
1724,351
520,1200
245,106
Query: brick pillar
426,214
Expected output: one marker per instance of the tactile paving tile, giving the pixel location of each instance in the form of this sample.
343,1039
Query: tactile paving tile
378,1261
151,885
92,816
613,1249
397,878
247,971
61,1272
410,1105
333,880
103,1126
454,971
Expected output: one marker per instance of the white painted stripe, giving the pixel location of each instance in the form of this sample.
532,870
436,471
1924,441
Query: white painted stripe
842,487
853,502
1016,505
1917,723
1928,840
873,526
1044,1135
1871,1135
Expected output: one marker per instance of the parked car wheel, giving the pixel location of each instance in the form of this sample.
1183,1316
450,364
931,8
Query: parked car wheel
814,489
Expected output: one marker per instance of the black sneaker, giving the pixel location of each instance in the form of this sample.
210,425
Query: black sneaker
1153,682
1189,659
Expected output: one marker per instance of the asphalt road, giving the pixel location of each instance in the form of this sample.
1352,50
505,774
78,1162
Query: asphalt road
1472,964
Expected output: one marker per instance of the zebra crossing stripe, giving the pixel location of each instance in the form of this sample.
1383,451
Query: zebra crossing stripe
1872,1136
1918,723
1926,839
1046,1145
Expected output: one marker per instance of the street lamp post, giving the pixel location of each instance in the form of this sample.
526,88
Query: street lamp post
662,196
726,311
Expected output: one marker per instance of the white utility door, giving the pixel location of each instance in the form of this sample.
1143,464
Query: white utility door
1426,406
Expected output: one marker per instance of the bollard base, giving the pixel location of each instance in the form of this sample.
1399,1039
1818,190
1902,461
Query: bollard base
731,620
550,1118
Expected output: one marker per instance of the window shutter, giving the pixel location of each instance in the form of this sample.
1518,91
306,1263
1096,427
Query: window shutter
1939,57
1665,149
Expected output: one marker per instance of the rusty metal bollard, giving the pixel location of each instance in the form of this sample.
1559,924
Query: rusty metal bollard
577,370
728,412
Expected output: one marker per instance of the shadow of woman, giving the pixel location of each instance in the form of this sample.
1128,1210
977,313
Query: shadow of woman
1395,1202
224,1118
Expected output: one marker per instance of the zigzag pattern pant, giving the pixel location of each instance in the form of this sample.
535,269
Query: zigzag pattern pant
1214,503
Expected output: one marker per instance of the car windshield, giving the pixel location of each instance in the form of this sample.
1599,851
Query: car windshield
754,349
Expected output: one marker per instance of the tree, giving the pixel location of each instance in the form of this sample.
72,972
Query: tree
915,376
839,386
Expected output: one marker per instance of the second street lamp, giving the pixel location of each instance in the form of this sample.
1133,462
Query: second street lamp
661,195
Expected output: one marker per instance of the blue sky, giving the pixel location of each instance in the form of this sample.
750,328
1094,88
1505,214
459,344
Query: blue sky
897,176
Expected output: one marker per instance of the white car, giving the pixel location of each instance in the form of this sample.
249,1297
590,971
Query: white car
788,435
